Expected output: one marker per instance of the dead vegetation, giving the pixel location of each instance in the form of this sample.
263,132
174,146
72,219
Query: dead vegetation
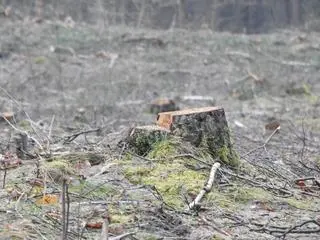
71,174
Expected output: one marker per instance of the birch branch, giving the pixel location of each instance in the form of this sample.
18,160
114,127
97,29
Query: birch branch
207,188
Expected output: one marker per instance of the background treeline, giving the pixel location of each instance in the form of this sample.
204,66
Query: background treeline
250,16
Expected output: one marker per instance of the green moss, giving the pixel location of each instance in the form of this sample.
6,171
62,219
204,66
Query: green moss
305,204
216,237
40,60
171,178
220,147
93,191
25,125
162,149
120,218
304,89
143,144
127,157
61,165
32,209
221,200
228,156
246,194
120,214
308,93
135,173
232,197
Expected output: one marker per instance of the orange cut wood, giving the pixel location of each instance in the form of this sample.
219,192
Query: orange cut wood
7,115
165,119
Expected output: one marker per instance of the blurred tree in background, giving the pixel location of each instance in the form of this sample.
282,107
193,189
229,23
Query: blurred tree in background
250,16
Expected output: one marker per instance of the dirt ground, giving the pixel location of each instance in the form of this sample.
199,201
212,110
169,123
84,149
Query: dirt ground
73,79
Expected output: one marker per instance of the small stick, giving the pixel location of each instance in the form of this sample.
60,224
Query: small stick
214,226
208,186
105,228
23,132
255,77
72,137
51,125
291,230
264,144
65,208
4,176
122,236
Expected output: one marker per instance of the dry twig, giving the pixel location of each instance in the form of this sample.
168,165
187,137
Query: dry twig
264,144
65,208
215,227
293,229
72,137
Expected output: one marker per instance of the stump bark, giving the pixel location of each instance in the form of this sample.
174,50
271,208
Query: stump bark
141,138
203,127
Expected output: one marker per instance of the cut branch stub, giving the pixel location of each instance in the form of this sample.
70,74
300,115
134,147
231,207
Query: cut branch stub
142,138
203,127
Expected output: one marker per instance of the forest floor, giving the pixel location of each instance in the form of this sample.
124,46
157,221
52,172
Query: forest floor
76,91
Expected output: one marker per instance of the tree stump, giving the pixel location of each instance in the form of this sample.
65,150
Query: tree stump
21,145
9,116
141,138
203,127
163,105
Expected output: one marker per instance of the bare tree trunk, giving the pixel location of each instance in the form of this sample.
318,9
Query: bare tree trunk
122,11
181,13
295,12
141,14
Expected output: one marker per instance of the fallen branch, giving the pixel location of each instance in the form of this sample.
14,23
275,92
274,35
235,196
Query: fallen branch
215,227
257,184
255,77
70,138
153,41
122,236
207,188
65,202
240,54
189,155
292,230
289,63
23,132
105,228
264,144
284,231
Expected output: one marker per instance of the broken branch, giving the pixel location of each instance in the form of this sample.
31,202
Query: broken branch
208,186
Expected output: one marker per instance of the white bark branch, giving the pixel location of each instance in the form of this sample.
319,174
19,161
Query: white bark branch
208,186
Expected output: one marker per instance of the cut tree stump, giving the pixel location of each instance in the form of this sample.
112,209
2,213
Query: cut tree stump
163,105
7,116
205,127
141,138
